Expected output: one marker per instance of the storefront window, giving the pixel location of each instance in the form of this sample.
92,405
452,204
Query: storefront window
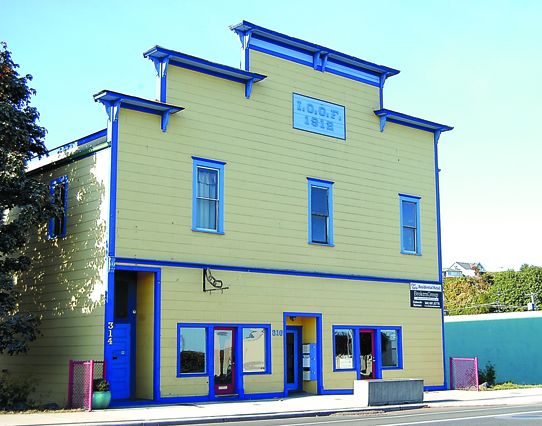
344,348
254,350
193,350
390,356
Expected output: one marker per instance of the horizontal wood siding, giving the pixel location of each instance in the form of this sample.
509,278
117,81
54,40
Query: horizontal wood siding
66,285
265,185
263,298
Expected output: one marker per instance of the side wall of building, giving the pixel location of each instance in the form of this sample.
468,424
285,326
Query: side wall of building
67,283
508,341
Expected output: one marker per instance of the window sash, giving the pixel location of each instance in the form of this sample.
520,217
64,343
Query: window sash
344,348
320,212
254,350
192,350
410,224
57,225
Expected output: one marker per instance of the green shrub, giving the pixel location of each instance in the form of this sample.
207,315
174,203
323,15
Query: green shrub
487,374
15,390
100,385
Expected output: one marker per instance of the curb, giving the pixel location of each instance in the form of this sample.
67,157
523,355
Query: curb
249,417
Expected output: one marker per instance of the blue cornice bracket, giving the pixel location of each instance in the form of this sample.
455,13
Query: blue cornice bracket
324,61
383,121
244,37
112,109
316,58
165,119
248,87
437,135
320,56
160,65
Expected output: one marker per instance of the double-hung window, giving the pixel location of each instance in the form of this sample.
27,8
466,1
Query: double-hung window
320,212
208,198
59,190
410,224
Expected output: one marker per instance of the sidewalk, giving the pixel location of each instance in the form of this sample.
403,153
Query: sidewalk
298,406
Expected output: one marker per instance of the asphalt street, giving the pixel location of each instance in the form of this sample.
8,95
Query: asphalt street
457,416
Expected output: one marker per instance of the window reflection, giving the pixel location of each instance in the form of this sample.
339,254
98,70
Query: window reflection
254,354
344,348
389,341
193,350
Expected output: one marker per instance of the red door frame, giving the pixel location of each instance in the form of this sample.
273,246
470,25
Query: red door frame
225,385
372,331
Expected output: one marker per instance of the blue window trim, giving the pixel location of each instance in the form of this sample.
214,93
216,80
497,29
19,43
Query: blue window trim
319,350
54,183
415,200
399,348
329,186
210,164
378,345
209,330
353,348
267,328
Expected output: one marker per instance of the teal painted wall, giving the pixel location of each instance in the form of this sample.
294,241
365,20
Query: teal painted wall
510,341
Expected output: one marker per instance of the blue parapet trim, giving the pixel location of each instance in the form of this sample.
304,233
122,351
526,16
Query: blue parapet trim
408,120
277,42
176,264
113,185
202,65
113,101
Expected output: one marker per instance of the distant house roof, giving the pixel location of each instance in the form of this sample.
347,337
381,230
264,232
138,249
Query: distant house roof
469,266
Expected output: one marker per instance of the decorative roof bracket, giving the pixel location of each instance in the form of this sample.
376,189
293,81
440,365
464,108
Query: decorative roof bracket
383,121
112,109
248,87
160,65
320,56
244,37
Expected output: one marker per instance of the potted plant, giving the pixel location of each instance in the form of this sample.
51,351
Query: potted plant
101,396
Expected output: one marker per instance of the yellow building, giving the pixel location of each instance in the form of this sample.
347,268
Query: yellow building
253,232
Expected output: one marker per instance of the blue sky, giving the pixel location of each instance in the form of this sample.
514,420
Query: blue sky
471,64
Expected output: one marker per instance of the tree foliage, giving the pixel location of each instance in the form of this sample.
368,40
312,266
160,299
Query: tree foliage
25,203
467,295
513,288
507,291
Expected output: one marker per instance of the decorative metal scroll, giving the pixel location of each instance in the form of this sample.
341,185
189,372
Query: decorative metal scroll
210,283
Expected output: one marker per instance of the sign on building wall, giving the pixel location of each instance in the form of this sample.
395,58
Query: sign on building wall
425,295
316,116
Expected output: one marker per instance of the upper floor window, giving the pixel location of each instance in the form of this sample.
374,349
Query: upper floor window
208,196
320,212
59,190
410,224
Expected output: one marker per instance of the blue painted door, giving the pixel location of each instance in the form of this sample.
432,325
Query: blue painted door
124,349
121,362
294,363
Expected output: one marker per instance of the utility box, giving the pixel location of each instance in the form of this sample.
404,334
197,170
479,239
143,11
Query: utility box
309,362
